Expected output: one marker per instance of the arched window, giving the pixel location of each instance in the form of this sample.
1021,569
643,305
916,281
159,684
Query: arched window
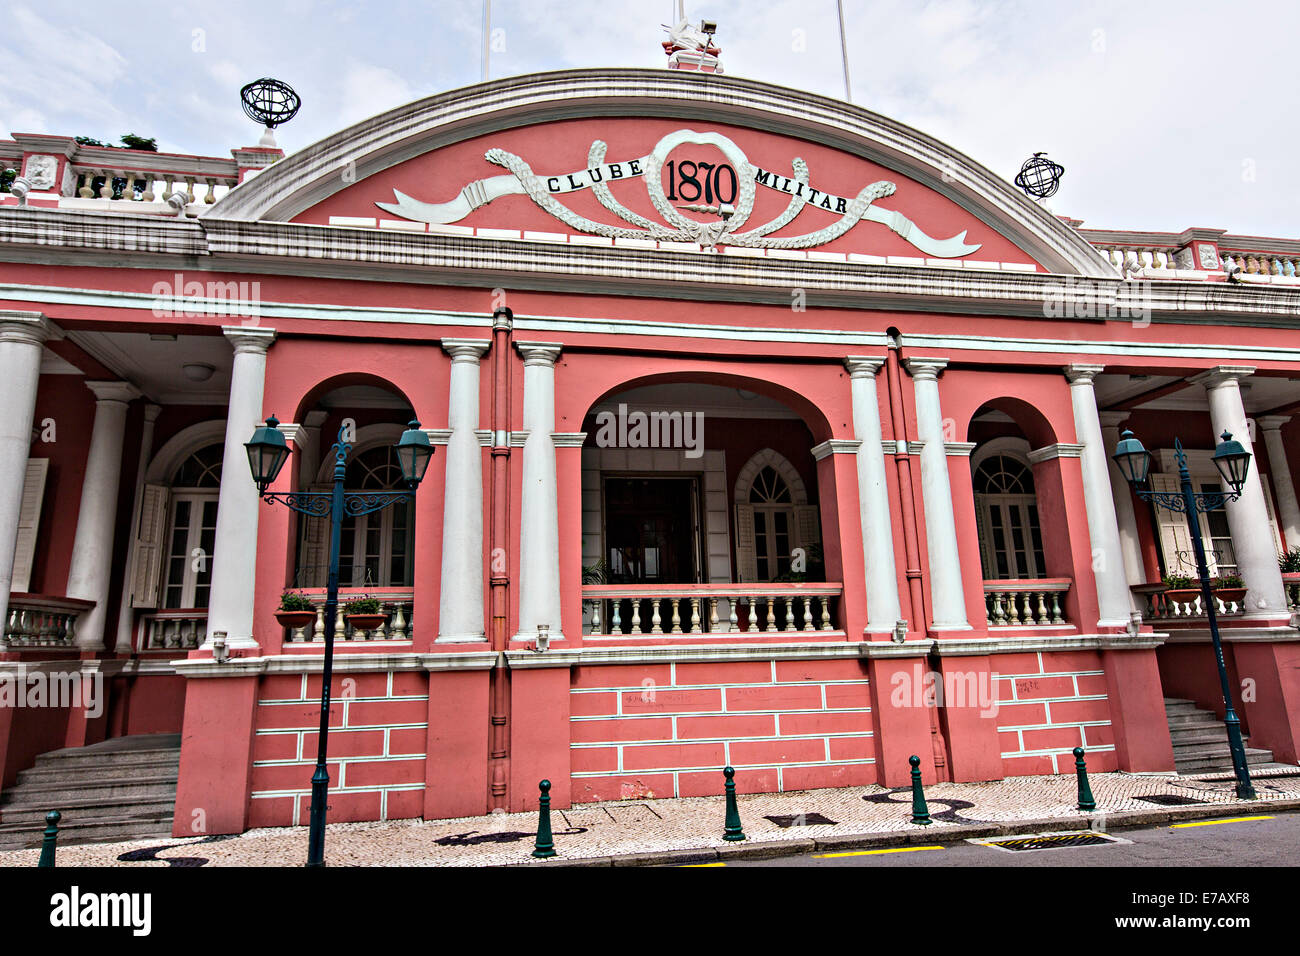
375,549
192,529
773,518
1011,541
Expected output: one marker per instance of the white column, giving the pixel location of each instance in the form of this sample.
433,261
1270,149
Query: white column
947,600
1113,596
125,613
234,547
21,337
460,599
883,610
539,519
92,547
1130,542
1252,541
1288,511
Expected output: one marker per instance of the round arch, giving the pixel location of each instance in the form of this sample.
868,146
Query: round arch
1033,424
322,388
367,437
180,446
781,465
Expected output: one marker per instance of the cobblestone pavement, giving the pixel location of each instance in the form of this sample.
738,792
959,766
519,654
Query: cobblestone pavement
647,826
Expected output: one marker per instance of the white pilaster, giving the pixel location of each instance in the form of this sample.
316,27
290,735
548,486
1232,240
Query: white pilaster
1114,600
92,547
947,599
1130,542
234,547
21,336
460,601
1288,510
1252,541
539,533
125,613
883,609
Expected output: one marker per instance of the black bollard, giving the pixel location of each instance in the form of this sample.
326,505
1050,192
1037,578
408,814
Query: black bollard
1086,801
51,835
920,812
733,829
544,845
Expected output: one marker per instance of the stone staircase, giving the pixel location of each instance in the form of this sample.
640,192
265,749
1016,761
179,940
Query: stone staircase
1201,742
120,789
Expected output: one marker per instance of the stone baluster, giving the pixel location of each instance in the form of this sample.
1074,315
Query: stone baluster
695,615
636,615
677,617
656,621
617,625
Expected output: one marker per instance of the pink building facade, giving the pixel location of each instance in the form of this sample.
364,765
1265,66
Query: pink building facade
769,432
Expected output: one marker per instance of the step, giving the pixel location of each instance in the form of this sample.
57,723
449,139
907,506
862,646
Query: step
40,776
90,811
1180,706
83,757
1201,718
106,830
56,793
1201,764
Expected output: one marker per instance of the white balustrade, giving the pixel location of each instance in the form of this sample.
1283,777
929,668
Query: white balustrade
617,610
1027,602
397,604
172,630
40,621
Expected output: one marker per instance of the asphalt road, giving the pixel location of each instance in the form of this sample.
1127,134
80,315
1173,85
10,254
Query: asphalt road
1227,842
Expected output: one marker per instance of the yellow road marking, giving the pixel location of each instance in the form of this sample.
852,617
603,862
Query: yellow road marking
1213,823
898,849
686,866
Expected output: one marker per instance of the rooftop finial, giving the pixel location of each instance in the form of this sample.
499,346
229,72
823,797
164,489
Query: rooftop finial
691,47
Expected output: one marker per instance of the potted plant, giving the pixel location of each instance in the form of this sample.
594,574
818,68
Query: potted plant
1289,561
1182,592
296,610
364,613
1229,588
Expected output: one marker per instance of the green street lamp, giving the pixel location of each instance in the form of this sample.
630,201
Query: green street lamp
1233,464
267,453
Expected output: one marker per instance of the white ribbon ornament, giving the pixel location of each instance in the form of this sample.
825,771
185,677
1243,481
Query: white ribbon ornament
521,180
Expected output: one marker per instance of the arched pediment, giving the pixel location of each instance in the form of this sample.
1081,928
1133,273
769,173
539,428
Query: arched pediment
809,172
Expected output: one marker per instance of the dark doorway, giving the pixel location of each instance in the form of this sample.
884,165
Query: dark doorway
652,530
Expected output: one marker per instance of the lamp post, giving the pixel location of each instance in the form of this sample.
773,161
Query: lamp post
267,453
1232,462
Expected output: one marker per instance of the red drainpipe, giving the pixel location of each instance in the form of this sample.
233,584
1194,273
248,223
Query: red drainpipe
498,552
918,613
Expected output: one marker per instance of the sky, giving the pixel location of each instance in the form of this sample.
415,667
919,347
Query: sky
1164,115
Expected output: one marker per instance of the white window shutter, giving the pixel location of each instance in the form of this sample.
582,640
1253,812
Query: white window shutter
746,564
29,518
313,570
150,540
1172,526
1272,518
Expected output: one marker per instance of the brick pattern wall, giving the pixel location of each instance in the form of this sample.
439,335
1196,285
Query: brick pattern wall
1048,704
667,730
377,746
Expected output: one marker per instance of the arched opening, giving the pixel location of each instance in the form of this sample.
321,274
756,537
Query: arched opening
376,550
192,529
1021,516
701,512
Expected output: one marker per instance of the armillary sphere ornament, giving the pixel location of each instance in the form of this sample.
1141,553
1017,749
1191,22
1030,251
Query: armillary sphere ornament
271,103
1040,177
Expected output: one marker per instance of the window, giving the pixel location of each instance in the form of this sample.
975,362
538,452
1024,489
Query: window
192,529
375,549
773,518
1011,540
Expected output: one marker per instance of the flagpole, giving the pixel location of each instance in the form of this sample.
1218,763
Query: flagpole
487,36
844,52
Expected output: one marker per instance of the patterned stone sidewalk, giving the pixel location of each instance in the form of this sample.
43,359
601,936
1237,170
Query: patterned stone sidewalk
638,828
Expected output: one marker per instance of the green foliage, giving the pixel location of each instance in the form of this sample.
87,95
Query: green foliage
1227,581
1178,582
87,141
7,177
295,601
131,141
1289,561
363,605
594,573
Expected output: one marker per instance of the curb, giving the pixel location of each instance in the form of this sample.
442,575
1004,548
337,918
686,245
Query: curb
771,849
